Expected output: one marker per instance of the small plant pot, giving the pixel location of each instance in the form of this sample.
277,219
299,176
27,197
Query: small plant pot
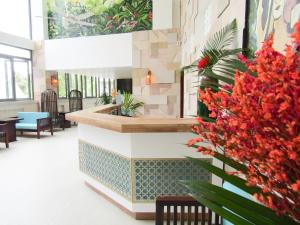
126,112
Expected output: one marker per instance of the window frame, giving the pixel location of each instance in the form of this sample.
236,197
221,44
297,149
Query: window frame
95,82
11,58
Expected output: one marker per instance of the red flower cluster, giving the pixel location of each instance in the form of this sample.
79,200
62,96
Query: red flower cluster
203,62
259,125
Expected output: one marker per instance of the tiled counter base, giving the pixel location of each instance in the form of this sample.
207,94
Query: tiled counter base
138,180
132,161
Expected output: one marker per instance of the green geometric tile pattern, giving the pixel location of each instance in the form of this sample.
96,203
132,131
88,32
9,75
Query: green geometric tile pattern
110,169
158,177
138,180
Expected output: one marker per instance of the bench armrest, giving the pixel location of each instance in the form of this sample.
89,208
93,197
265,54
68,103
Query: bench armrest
44,122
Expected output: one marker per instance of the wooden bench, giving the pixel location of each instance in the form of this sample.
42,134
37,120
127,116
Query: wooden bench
183,210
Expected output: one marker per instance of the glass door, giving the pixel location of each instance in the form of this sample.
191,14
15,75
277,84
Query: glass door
6,84
22,78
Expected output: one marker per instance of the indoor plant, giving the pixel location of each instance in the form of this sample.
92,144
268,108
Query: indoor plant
254,127
130,105
104,99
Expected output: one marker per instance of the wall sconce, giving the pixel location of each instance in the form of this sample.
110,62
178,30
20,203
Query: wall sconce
148,79
54,81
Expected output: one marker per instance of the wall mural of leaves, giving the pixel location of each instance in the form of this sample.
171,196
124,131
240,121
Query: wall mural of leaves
76,18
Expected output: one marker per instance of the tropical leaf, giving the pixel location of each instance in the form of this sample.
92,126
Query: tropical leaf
236,181
228,161
211,74
222,38
246,209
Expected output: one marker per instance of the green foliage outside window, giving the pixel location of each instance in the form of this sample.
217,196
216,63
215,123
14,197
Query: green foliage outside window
62,92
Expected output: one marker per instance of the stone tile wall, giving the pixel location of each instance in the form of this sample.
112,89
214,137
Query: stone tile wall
160,52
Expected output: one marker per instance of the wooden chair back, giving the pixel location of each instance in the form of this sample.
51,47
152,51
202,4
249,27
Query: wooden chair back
182,210
49,103
75,100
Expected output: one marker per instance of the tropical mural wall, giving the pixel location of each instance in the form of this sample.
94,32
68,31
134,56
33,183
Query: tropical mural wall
75,18
272,16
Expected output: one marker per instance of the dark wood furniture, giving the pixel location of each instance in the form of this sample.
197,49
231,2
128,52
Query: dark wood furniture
4,134
66,123
10,127
43,124
173,209
75,100
49,104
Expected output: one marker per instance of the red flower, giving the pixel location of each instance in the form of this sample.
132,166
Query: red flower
258,124
203,62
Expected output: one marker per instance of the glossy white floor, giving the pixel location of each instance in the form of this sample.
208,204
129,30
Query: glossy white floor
40,185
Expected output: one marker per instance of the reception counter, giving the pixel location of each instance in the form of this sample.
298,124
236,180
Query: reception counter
131,161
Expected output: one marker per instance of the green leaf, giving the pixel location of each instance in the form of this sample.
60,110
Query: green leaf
247,209
236,181
228,161
209,73
223,38
220,210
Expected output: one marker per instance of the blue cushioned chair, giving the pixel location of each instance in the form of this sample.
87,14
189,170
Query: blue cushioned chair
34,121
235,190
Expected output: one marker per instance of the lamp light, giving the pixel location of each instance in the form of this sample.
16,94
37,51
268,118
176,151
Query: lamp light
148,78
54,81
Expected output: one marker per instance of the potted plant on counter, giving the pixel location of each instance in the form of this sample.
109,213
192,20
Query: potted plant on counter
104,99
130,106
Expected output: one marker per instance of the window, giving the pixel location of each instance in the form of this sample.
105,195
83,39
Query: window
73,82
15,73
95,86
102,87
6,84
90,86
106,83
15,18
62,87
22,78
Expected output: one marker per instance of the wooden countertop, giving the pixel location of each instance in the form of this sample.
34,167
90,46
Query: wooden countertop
98,117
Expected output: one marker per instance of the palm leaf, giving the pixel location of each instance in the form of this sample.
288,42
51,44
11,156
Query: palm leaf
247,209
226,79
236,181
228,161
223,38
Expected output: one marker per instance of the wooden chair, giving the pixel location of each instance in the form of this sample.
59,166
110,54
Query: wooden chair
4,134
183,210
49,104
75,100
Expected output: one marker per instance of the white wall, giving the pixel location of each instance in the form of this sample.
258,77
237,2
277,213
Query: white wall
16,41
162,14
38,19
166,14
8,109
106,51
87,103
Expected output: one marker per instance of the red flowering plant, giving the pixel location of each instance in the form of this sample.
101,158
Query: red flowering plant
218,62
254,127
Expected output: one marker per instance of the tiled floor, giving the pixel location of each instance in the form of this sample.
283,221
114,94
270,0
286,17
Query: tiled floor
40,185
